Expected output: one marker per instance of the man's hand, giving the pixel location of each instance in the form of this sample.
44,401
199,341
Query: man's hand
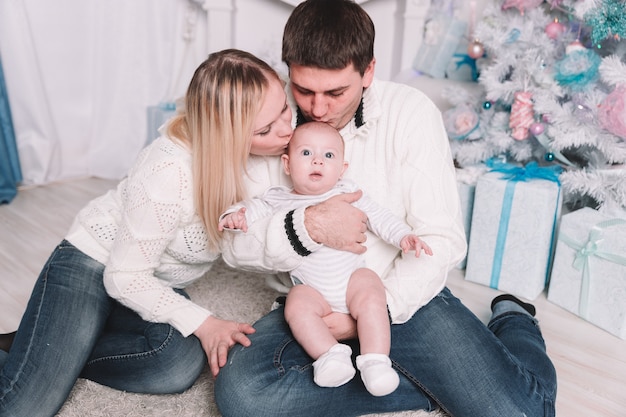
336,223
342,326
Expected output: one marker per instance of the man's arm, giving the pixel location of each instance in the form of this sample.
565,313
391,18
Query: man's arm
280,241
432,209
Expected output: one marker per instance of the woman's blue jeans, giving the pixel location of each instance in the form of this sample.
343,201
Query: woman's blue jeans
447,357
72,328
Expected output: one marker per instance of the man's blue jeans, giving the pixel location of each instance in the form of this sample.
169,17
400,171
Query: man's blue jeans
447,357
72,328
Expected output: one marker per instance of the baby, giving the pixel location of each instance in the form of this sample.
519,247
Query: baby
331,280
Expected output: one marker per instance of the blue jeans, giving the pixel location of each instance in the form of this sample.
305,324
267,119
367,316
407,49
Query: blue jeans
72,328
446,357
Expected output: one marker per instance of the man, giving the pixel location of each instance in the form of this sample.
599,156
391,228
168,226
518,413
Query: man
399,153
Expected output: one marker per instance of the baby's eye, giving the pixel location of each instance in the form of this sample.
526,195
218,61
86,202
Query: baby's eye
329,155
306,152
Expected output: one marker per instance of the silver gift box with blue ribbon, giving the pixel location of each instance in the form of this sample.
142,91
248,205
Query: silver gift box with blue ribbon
514,221
589,271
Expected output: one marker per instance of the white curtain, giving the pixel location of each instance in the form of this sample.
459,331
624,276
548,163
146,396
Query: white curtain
80,75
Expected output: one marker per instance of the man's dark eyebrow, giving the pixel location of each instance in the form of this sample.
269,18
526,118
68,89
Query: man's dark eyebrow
333,91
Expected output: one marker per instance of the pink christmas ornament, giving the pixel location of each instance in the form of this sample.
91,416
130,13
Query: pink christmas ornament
612,112
521,5
521,115
555,29
460,122
536,129
475,49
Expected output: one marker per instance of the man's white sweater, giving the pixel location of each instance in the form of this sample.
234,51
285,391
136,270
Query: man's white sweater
401,158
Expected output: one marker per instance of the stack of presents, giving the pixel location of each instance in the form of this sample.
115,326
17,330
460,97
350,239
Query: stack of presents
521,243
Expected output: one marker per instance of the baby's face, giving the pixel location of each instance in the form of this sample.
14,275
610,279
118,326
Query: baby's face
315,160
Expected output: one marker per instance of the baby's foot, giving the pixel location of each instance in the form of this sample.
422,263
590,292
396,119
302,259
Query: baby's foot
377,374
334,368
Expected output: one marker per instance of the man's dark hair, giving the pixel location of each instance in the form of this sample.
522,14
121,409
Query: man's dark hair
329,34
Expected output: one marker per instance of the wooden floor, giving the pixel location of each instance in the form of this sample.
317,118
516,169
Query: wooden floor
590,363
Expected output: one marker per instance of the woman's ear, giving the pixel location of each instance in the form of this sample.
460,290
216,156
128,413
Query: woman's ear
285,158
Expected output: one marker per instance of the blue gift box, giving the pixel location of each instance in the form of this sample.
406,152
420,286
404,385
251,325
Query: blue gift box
516,210
441,38
466,193
466,184
589,271
157,116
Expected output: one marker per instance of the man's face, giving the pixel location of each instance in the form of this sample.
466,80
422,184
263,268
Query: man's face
329,96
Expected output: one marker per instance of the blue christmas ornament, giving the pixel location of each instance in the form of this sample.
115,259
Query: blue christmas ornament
513,35
578,68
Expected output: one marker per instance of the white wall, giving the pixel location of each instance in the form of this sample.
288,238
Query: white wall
81,74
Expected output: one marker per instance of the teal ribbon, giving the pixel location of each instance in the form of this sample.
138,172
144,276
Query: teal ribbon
532,171
513,174
465,59
587,249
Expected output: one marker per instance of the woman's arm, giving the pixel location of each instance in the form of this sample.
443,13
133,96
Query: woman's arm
157,199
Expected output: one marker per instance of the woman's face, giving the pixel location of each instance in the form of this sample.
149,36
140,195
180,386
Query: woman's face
272,127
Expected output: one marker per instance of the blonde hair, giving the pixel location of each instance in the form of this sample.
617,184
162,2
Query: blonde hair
223,99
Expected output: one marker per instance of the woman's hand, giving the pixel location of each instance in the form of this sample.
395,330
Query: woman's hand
342,326
217,336
336,223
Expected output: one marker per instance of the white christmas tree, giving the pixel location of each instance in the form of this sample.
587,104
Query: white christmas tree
554,91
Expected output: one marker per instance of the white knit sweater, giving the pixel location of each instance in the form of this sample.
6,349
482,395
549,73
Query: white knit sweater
401,158
149,238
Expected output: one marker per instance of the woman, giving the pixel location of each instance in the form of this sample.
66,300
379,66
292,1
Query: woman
109,304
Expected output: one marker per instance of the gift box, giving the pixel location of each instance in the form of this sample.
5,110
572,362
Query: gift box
442,35
589,271
466,194
516,211
466,184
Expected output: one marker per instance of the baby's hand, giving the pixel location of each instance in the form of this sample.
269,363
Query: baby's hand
234,221
413,242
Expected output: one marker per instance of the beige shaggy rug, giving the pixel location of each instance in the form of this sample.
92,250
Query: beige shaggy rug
233,295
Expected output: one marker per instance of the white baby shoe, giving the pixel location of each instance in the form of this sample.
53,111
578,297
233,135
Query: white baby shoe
334,368
377,374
